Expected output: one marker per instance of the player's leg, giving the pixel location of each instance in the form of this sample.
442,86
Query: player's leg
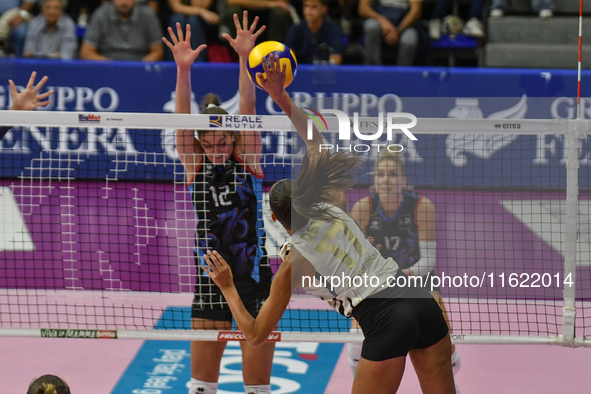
391,329
455,357
354,349
256,367
206,357
372,33
378,376
431,355
433,367
257,362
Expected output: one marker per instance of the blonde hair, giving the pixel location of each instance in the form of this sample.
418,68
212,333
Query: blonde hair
393,156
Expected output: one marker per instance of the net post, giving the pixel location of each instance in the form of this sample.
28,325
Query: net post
575,129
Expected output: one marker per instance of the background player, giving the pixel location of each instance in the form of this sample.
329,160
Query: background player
27,100
396,321
401,224
224,175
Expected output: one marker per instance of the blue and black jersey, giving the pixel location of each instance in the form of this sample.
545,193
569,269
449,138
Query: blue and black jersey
398,235
228,202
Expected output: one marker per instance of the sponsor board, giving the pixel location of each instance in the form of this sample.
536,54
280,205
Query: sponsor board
238,336
89,118
69,333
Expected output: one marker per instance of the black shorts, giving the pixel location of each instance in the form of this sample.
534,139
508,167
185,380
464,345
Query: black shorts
394,326
209,302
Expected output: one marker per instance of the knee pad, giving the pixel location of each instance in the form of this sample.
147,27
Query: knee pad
258,389
201,387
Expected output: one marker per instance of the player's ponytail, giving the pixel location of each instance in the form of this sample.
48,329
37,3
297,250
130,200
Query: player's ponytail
48,384
322,177
211,104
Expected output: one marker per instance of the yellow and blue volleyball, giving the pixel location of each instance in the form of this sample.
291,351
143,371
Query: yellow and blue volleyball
265,49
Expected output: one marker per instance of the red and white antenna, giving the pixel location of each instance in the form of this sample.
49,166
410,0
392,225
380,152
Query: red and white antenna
580,49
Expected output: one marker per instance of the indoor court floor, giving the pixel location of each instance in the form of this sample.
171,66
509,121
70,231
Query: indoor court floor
99,367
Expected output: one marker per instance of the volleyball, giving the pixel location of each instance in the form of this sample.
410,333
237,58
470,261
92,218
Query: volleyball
264,49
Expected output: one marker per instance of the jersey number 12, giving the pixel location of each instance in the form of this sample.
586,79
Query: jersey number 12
220,199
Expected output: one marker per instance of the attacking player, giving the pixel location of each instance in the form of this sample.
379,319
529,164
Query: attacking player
326,241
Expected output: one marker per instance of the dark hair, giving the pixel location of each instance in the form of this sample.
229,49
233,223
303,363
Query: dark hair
211,98
322,174
48,384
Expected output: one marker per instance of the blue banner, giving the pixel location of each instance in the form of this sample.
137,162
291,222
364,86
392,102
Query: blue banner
441,160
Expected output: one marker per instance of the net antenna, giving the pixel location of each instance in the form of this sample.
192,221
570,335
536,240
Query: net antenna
573,139
149,281
579,64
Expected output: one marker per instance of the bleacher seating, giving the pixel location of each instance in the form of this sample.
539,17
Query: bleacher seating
524,40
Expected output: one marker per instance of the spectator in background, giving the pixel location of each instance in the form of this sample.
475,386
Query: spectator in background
52,34
276,15
472,28
122,30
85,8
544,8
14,16
48,384
317,39
199,16
394,23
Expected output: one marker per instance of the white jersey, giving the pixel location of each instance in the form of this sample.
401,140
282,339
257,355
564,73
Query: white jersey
348,268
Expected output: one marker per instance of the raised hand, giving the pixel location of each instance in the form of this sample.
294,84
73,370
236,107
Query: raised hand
184,56
245,36
274,80
29,99
219,271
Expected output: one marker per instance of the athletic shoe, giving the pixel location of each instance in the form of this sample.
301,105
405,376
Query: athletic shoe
474,28
455,362
435,29
546,13
496,13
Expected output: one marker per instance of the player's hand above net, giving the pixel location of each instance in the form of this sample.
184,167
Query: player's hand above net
184,56
273,79
245,36
29,99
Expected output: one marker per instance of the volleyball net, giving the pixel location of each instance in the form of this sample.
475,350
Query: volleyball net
98,224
